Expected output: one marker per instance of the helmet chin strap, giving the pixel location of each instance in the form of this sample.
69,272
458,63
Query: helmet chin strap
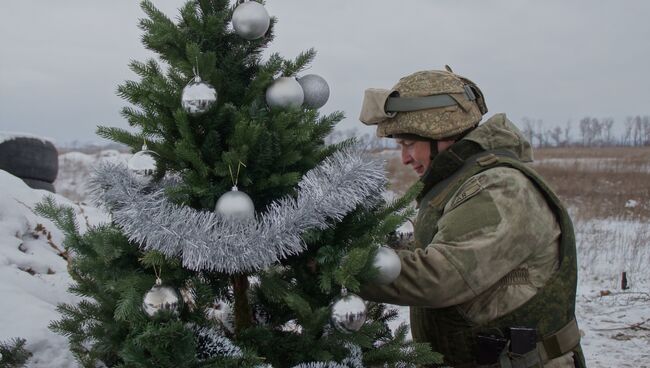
433,146
434,149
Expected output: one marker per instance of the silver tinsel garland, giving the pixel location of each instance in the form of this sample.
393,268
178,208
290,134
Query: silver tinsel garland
206,241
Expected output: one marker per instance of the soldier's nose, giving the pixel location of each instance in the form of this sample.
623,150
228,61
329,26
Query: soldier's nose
406,158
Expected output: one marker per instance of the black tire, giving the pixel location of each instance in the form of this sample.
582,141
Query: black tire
30,158
39,184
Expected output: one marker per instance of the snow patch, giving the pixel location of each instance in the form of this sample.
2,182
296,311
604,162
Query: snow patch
9,136
75,169
33,271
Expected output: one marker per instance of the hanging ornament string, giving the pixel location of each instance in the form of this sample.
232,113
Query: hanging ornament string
235,179
157,274
235,205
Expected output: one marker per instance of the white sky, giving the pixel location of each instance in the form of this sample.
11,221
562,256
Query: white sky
555,60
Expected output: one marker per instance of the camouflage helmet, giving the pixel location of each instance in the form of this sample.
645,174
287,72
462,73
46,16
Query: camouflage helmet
433,104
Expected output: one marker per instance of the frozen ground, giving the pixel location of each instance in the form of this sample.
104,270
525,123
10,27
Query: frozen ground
615,323
593,164
33,278
33,271
74,169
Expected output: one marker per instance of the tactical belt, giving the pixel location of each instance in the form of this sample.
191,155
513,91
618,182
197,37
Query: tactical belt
559,343
550,347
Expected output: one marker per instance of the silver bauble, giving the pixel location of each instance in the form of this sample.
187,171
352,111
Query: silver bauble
143,162
198,97
348,313
161,298
236,205
251,20
285,92
316,90
389,265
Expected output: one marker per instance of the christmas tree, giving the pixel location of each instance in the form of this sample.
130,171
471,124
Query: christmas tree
238,236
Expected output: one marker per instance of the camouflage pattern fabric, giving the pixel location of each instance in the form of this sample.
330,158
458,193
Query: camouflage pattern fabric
435,123
489,241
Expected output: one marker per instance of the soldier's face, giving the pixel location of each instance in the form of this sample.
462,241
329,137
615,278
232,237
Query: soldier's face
417,154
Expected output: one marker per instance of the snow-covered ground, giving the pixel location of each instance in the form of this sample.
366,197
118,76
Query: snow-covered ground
74,169
593,164
33,276
33,271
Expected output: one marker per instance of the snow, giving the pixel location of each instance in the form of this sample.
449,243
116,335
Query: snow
75,168
33,277
592,164
8,136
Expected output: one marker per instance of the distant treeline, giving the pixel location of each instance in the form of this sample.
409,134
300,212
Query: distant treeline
590,132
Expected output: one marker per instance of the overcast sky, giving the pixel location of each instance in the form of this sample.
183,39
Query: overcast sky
555,60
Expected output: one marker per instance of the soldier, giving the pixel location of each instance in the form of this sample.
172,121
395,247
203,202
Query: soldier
491,277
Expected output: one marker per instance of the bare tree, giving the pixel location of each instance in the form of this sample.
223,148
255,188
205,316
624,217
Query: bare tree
567,133
627,134
529,129
607,126
556,136
585,131
645,122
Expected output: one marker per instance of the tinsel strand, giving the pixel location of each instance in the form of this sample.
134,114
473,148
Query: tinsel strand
206,241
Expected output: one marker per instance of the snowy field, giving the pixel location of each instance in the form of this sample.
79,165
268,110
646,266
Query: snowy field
615,323
593,164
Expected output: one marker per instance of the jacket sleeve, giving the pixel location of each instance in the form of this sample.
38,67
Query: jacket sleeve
492,224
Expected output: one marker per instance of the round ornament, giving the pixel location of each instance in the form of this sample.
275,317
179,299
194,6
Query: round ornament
143,162
389,265
285,92
161,298
316,90
198,96
236,205
348,312
250,20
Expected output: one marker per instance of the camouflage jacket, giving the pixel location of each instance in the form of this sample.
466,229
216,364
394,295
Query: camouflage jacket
493,247
491,255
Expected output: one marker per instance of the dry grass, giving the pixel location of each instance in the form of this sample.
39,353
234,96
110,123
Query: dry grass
596,183
599,183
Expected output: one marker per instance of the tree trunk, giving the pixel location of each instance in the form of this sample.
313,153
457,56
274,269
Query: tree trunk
243,313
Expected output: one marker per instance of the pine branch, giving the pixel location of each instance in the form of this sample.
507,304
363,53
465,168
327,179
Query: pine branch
13,353
291,68
121,136
63,217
